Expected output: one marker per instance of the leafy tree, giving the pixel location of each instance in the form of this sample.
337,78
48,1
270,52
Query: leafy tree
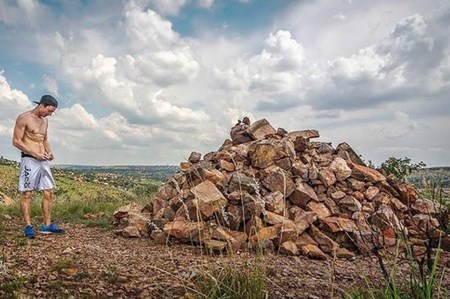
401,168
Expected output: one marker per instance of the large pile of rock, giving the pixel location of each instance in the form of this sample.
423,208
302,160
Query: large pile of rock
268,188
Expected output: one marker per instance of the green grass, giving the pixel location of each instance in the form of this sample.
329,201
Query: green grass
233,283
75,201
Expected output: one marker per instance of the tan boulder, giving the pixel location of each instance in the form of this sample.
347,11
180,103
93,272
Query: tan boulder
340,169
194,157
277,179
289,248
185,230
349,203
327,177
337,224
304,221
265,233
275,202
371,192
225,165
426,206
260,129
319,208
306,134
304,239
131,232
325,242
347,153
364,173
208,199
313,251
302,194
214,245
337,195
264,154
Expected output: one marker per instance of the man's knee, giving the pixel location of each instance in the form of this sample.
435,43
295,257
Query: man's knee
48,193
26,195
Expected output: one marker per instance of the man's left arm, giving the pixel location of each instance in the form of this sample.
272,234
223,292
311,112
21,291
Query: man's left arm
47,149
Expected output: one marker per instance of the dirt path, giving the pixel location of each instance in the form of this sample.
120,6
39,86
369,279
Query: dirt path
93,263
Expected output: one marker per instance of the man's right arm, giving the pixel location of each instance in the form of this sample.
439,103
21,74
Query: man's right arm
19,131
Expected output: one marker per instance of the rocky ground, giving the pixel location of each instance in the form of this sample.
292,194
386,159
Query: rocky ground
94,263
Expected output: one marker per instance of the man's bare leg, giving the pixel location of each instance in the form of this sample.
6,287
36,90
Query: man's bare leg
47,205
25,199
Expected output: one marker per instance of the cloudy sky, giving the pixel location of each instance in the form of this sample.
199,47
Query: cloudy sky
149,81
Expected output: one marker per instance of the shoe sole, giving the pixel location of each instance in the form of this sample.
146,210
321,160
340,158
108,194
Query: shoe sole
45,233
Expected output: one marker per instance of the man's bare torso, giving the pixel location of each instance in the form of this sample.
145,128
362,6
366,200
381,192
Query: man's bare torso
35,132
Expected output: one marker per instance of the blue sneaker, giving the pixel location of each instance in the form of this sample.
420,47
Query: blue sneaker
50,229
28,231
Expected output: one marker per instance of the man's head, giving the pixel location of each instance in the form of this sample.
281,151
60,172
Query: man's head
48,105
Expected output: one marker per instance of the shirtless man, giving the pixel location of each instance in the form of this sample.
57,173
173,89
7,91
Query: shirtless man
30,136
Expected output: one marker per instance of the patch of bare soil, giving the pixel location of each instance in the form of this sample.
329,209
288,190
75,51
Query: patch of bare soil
93,263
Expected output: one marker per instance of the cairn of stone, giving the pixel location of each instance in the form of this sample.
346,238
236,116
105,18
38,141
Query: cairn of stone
273,189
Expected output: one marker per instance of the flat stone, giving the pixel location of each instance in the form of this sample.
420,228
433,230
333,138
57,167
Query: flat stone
313,251
364,173
337,224
260,129
302,194
319,208
289,248
277,179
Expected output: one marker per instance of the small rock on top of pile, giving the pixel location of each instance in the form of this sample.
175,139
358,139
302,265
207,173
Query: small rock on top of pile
267,188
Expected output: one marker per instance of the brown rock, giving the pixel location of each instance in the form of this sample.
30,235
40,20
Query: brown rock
349,203
208,199
239,134
194,157
276,179
363,173
425,206
350,154
371,192
184,230
305,220
340,168
337,195
214,245
384,217
344,253
265,233
275,202
304,239
241,182
289,248
327,177
260,129
319,208
325,243
313,251
264,154
302,194
306,134
225,165
185,166
356,185
336,224
131,232
358,195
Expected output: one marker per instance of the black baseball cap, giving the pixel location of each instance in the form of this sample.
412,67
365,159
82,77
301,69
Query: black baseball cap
48,100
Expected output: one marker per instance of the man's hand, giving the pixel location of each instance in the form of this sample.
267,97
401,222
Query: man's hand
48,156
40,156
